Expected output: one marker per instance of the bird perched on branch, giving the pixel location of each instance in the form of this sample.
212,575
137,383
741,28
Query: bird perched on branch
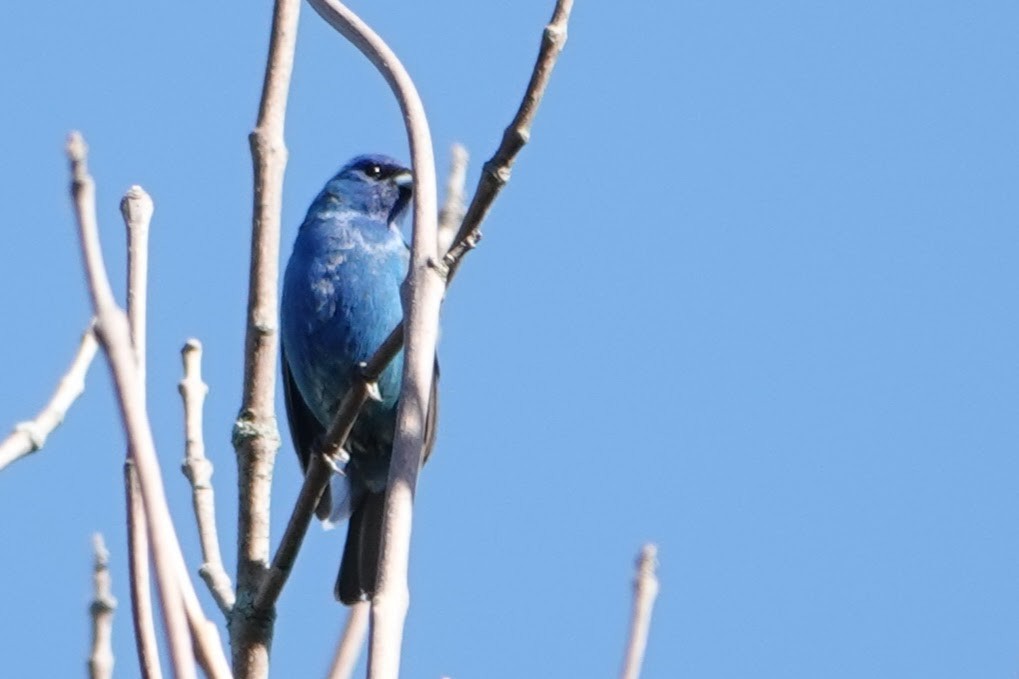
341,299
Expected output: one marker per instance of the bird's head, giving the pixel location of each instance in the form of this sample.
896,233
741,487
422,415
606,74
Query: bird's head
374,184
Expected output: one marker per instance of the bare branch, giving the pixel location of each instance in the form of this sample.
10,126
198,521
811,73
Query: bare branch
496,171
256,436
351,641
136,207
114,336
453,209
29,437
422,297
198,470
318,472
141,589
645,589
100,662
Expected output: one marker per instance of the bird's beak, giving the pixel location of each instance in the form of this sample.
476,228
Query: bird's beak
404,180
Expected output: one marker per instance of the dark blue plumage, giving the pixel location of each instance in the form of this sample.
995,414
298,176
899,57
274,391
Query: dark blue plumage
341,299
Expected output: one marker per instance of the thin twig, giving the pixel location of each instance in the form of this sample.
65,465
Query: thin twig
29,437
256,436
136,207
453,209
351,642
645,589
113,333
100,661
496,171
318,473
198,470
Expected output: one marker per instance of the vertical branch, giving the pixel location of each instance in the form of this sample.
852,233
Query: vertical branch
142,616
645,589
422,296
453,208
351,641
198,471
114,336
100,661
137,208
256,438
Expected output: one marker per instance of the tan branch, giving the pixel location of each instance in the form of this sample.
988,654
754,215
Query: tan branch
198,470
256,436
29,437
351,642
453,209
422,297
100,661
496,171
645,589
113,333
136,208
142,616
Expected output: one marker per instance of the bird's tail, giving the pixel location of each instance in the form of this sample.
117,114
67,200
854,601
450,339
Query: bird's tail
359,569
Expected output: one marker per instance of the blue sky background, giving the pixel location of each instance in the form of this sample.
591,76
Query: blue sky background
751,294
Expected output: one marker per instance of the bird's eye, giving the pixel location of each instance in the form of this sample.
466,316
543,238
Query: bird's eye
373,171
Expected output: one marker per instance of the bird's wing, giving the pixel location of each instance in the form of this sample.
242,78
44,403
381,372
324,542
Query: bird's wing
305,430
432,418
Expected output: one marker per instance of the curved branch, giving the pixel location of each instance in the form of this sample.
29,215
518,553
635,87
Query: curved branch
318,472
422,297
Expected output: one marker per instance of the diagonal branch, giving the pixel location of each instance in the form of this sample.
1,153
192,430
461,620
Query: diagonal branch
198,471
29,437
496,171
645,589
318,472
100,661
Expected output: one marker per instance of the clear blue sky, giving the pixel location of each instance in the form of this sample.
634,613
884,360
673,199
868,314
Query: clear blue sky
751,294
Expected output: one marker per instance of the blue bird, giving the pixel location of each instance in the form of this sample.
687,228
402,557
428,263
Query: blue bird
341,299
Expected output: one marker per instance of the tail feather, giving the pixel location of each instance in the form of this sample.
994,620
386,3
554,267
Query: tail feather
359,569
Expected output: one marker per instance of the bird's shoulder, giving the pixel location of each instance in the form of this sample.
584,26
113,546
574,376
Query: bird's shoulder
329,230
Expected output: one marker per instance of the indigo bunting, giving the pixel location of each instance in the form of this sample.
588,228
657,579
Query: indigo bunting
341,299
